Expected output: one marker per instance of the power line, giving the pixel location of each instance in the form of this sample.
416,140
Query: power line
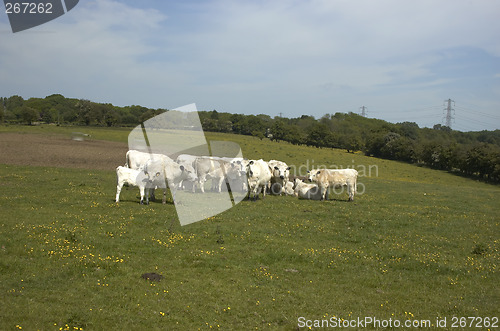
477,112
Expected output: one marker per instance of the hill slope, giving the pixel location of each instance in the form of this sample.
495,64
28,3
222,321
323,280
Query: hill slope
417,244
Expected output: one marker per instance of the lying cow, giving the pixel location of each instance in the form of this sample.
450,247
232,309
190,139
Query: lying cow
280,172
335,178
307,190
259,176
132,177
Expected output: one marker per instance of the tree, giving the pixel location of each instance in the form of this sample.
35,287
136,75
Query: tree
29,115
84,111
111,116
319,135
351,142
279,130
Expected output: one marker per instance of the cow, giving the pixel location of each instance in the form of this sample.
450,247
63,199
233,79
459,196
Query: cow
218,170
188,161
259,176
280,172
132,177
164,172
335,178
201,164
306,190
137,159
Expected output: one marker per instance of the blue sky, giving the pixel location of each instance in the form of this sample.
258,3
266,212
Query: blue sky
400,59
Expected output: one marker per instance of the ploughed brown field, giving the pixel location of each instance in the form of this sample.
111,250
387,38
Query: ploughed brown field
60,151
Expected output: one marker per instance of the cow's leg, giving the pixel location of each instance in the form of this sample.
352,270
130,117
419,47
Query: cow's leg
202,183
142,191
324,189
152,194
118,190
350,190
221,180
164,200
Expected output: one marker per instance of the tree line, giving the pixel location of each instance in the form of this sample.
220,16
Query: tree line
474,154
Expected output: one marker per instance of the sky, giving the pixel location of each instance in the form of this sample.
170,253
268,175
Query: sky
400,59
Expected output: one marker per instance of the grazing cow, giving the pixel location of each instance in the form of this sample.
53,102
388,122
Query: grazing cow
259,176
280,172
335,178
306,190
132,177
161,173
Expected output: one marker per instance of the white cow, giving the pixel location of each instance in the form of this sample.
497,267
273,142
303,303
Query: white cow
232,176
280,172
259,176
307,190
187,160
161,173
137,159
335,178
132,177
215,169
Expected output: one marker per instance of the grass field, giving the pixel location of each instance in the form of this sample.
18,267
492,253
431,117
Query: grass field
418,244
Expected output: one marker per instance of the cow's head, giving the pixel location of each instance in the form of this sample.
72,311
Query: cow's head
297,182
233,170
240,166
281,171
188,173
249,166
313,174
155,173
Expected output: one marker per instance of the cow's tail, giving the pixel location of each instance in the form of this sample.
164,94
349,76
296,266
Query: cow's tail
127,160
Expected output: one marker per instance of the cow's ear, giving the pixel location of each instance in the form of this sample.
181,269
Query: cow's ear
182,168
319,171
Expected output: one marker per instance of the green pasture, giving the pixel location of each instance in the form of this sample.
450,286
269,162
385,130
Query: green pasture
418,244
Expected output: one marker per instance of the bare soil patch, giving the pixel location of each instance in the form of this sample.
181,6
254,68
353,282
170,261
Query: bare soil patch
60,151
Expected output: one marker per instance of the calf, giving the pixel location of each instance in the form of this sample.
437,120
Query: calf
306,190
280,172
259,176
132,177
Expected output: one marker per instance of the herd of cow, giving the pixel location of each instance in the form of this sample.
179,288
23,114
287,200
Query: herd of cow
188,172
